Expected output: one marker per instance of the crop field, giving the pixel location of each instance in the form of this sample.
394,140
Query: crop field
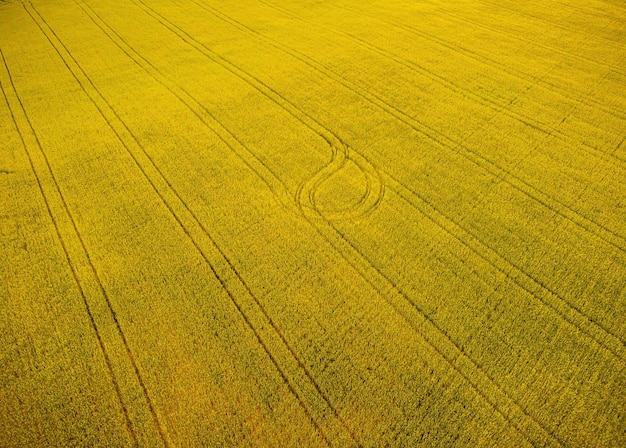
311,223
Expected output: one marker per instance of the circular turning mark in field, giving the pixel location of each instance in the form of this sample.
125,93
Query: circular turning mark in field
348,187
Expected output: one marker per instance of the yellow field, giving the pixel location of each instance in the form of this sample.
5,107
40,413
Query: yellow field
298,223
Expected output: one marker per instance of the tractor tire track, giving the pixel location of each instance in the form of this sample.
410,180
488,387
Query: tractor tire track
437,339
614,348
492,63
321,219
601,231
340,152
485,60
252,312
186,99
272,181
41,23
310,194
550,298
161,19
502,32
548,22
480,58
619,20
27,132
486,101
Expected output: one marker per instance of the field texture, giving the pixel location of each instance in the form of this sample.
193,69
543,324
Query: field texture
299,223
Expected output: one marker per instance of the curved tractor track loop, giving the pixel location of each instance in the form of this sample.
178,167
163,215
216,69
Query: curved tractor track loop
374,188
305,195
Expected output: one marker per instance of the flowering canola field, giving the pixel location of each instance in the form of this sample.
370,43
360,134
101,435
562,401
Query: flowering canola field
298,223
